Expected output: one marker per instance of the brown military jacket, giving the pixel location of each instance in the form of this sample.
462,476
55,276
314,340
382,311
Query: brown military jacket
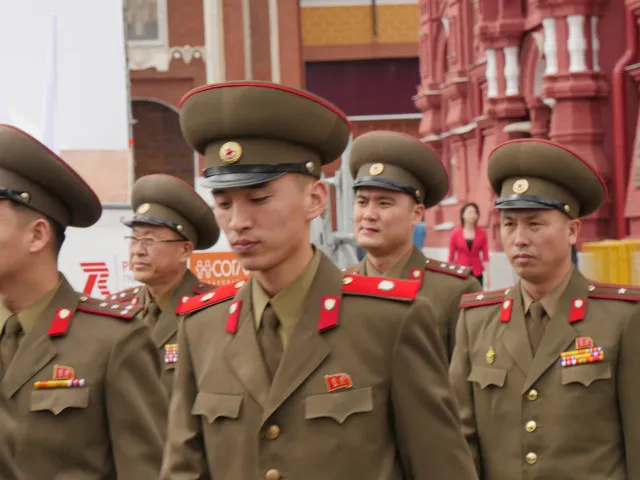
112,423
8,469
361,391
530,417
165,332
443,284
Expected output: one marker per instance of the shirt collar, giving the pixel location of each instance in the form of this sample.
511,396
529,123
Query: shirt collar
288,304
29,317
550,300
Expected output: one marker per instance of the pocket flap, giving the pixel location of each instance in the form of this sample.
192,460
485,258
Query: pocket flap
586,374
58,399
212,406
485,376
338,405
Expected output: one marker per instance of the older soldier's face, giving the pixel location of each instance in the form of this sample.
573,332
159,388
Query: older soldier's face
537,242
384,219
268,224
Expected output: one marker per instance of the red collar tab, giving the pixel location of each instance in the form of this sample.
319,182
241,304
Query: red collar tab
329,313
60,323
233,317
578,308
505,313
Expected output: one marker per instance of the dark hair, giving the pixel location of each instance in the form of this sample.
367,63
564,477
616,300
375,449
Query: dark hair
464,209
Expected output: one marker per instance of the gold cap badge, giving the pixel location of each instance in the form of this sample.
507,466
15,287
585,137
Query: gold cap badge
491,356
230,152
520,186
143,208
376,169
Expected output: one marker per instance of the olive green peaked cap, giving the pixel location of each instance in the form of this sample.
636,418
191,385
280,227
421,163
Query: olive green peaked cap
253,132
395,161
167,201
34,176
537,174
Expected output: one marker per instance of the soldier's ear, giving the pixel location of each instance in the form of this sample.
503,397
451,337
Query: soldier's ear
417,213
317,199
574,227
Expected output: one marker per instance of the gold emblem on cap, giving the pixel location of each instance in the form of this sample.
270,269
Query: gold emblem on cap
179,228
310,167
376,169
25,197
567,208
230,152
520,186
143,208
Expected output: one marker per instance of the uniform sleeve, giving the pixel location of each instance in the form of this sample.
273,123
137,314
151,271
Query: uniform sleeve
184,456
459,372
471,285
427,426
628,393
136,405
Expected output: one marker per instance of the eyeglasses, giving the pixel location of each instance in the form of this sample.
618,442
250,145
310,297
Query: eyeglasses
147,242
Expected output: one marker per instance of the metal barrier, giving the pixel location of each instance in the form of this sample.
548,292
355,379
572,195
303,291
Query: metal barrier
612,261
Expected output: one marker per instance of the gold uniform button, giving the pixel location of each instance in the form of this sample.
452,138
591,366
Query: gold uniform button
532,395
273,474
272,432
532,458
531,426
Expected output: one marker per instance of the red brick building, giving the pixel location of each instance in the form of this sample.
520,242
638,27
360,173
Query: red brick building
463,75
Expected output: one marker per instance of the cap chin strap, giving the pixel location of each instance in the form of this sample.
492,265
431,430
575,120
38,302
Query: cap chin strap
542,201
263,168
387,183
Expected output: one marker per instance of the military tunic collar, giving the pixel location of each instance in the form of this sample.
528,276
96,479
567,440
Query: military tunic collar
29,317
551,299
289,303
394,272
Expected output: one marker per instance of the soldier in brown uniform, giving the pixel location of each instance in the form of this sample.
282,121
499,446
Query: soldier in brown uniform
301,372
81,377
171,220
546,372
395,178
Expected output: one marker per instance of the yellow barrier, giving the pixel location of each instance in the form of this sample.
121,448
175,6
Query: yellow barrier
612,261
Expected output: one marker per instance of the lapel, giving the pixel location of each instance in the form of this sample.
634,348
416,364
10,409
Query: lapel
559,333
306,349
37,348
513,333
167,324
416,261
242,353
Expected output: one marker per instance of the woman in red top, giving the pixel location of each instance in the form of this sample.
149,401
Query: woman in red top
469,242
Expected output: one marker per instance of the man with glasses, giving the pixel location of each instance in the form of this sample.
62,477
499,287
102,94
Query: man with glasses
80,376
170,221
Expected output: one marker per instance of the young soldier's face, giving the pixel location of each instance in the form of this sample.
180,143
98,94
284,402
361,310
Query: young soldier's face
267,224
537,242
384,219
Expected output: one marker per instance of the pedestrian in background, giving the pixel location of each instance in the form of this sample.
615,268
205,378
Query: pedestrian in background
468,244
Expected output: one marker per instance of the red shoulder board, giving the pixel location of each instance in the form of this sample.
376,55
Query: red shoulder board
203,288
125,296
610,291
60,323
480,299
394,289
447,268
213,297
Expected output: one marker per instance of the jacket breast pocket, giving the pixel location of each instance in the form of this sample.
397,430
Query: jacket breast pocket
338,405
213,406
56,400
487,377
586,374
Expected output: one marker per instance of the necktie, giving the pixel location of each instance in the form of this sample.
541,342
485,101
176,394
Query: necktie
153,313
269,340
535,325
9,341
